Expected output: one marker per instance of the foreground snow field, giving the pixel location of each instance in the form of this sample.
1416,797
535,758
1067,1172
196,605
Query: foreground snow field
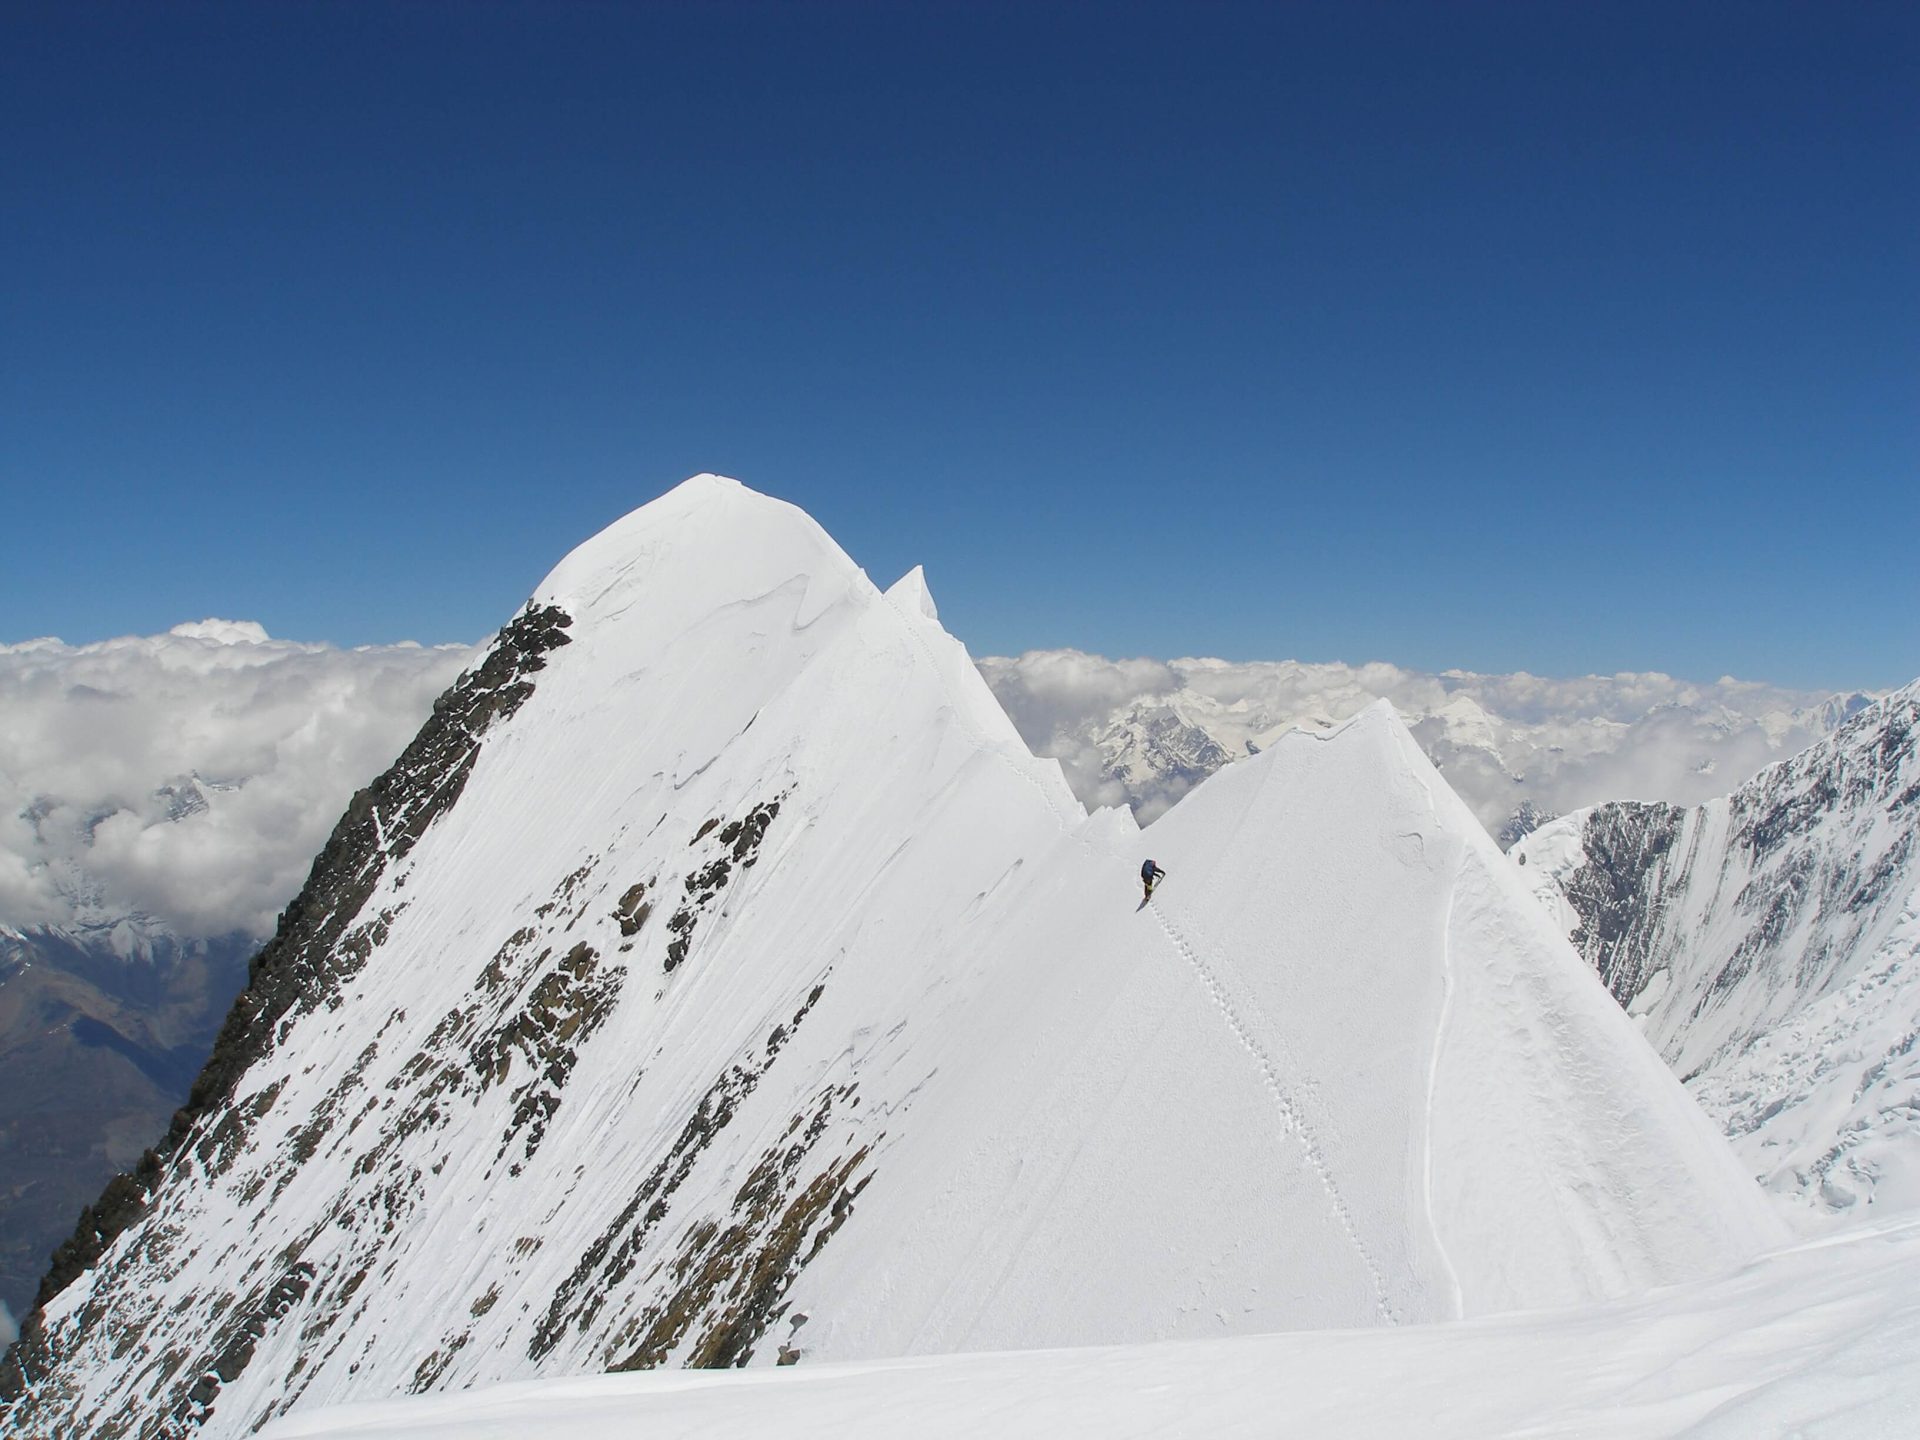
1820,1340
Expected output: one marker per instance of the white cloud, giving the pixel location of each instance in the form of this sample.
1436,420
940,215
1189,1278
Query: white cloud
9,1332
1500,739
1046,691
190,777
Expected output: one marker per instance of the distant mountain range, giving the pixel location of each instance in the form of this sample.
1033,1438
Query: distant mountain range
1516,748
101,1034
161,798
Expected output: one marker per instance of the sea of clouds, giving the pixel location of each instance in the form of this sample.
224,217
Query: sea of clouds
1501,740
191,777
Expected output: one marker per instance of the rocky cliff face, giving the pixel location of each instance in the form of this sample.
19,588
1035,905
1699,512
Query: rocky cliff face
1732,927
322,938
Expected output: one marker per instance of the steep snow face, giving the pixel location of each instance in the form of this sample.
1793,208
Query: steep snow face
1340,1072
719,980
1351,912
1766,944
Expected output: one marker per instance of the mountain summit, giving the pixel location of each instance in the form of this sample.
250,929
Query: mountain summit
718,980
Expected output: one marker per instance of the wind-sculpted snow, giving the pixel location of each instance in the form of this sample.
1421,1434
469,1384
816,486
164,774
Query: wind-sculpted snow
1764,941
733,987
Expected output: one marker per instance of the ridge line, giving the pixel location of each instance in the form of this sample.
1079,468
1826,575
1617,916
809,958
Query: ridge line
1068,824
1439,1035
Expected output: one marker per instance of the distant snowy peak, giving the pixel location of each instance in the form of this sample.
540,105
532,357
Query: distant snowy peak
1726,928
1826,715
190,776
1157,749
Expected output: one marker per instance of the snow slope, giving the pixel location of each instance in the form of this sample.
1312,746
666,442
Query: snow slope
1766,942
719,980
1822,1341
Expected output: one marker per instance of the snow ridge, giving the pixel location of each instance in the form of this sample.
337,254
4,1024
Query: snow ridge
916,606
1439,1042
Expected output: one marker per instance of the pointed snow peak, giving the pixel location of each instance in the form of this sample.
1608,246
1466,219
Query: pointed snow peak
910,593
1380,712
1377,718
707,543
1354,915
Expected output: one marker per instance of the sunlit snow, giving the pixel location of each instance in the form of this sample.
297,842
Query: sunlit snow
1818,1343
899,1064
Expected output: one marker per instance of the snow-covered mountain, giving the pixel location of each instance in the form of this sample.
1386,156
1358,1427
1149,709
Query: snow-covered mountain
718,979
161,796
1767,943
1517,748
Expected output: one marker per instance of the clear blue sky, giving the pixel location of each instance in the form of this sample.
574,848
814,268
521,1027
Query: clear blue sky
1537,336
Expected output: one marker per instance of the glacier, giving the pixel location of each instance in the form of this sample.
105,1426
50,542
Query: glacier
719,980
